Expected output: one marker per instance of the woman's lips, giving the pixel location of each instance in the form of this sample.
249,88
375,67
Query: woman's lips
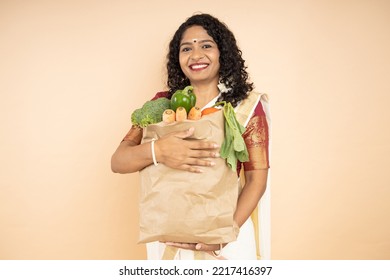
199,66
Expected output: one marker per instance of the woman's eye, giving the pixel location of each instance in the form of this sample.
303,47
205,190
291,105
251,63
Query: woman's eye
185,49
206,46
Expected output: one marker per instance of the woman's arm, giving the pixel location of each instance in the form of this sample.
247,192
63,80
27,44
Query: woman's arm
253,190
173,150
256,169
131,157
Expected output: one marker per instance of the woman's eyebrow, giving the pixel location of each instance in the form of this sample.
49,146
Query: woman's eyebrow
185,43
207,41
195,40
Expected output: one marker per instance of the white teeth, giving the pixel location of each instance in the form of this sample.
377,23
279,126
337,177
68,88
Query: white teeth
199,66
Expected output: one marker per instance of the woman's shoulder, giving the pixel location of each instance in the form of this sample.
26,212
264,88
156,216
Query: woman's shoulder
252,104
260,97
161,94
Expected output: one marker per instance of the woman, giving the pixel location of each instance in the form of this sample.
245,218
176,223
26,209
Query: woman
204,54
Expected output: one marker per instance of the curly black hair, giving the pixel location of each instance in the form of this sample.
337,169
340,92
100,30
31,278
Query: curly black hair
232,66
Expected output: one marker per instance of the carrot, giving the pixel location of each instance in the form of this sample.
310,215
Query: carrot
169,116
194,114
209,110
181,114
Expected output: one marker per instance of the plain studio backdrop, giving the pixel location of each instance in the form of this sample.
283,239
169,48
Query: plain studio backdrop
72,72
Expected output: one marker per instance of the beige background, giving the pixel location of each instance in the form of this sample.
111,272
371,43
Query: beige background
71,72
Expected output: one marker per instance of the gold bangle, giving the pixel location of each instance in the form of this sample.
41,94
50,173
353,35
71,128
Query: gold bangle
219,253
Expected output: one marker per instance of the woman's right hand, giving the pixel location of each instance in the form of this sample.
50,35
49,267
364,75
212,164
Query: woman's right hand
175,151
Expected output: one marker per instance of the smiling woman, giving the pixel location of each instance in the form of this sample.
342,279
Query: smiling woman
71,73
199,61
203,54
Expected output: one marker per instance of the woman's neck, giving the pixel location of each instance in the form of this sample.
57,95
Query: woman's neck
205,93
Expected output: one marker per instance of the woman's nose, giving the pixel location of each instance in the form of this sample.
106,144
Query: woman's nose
197,54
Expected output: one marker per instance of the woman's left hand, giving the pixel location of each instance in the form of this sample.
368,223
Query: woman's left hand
196,246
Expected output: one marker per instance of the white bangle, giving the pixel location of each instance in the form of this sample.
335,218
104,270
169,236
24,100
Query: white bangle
153,153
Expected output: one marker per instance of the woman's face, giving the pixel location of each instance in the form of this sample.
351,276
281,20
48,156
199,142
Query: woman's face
199,56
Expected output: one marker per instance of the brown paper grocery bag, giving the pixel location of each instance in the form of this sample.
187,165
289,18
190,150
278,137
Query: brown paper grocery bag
181,206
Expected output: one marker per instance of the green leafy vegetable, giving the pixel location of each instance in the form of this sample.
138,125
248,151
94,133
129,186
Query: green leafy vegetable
151,112
233,147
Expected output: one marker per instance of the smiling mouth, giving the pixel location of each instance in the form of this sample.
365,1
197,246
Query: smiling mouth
198,66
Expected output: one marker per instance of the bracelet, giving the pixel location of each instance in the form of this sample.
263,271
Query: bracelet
215,254
153,153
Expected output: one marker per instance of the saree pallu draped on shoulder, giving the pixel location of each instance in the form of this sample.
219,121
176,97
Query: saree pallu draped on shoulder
181,206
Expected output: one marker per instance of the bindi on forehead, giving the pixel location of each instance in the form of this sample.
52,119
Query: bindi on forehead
196,40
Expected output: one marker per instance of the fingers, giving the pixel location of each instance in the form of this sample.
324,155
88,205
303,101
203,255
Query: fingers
176,152
196,144
199,159
207,247
204,154
195,246
202,145
187,246
185,134
195,168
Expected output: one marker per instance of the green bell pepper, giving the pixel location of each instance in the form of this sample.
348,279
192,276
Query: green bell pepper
183,98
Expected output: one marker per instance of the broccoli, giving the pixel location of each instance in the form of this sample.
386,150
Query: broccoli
151,112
